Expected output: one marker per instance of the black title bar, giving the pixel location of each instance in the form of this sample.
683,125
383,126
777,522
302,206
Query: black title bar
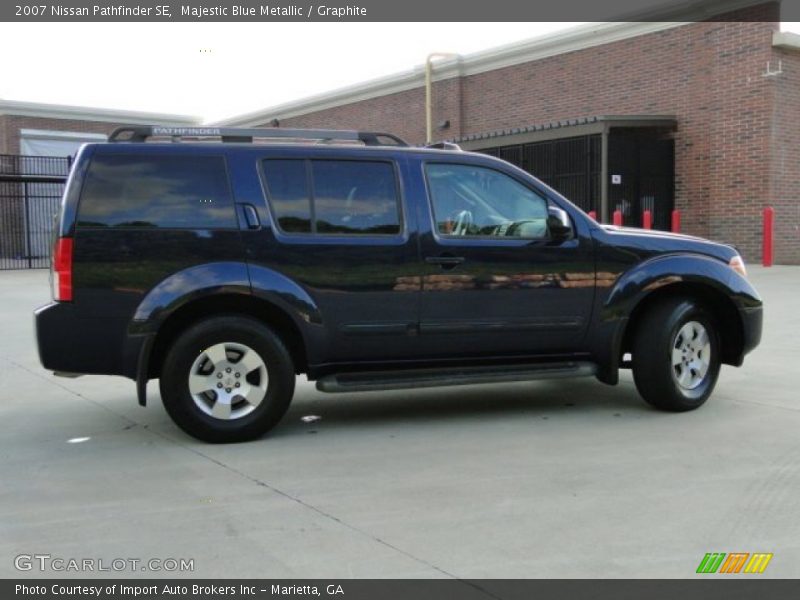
389,11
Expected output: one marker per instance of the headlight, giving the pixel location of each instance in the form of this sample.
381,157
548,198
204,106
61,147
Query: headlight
737,264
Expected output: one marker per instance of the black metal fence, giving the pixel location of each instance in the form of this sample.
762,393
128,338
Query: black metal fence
570,165
642,161
30,193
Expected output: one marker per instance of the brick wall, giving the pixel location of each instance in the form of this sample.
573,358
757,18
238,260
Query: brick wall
709,75
785,158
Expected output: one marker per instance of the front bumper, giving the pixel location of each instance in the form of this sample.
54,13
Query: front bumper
752,323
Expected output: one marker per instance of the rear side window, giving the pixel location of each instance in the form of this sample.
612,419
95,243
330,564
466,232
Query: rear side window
333,196
288,194
185,192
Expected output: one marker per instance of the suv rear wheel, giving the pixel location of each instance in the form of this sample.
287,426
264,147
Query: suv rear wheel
227,379
676,355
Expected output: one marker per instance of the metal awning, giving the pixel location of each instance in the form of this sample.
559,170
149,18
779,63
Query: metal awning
562,129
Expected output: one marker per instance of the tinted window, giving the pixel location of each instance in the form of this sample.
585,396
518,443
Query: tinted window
287,186
346,197
476,201
355,197
156,191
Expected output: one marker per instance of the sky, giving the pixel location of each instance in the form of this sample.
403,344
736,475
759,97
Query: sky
217,70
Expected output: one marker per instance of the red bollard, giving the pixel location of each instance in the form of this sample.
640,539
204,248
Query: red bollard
618,218
676,221
647,219
769,219
593,215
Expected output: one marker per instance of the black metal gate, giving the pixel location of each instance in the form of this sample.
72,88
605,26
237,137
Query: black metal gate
645,177
569,165
30,194
641,171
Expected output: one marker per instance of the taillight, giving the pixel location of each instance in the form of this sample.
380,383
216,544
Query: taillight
62,270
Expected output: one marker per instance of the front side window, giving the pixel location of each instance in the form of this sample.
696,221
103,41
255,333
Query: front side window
333,196
476,201
188,192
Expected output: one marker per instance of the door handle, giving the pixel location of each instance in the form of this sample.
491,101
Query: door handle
251,216
445,261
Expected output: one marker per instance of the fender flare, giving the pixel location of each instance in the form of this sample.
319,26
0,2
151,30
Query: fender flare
204,281
650,276
183,287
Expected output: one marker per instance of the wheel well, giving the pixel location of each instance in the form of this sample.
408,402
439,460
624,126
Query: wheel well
202,308
718,304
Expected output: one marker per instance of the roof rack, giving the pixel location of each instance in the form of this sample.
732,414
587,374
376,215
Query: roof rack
443,146
233,134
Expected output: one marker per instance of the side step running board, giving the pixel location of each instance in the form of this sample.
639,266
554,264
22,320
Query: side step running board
422,378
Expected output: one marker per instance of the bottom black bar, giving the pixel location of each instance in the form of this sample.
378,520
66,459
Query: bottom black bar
733,587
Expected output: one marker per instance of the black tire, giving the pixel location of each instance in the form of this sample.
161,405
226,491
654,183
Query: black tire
237,330
653,372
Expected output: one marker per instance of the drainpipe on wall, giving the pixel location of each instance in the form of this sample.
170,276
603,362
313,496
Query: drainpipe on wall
428,99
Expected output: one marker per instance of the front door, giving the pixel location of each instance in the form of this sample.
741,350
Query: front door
494,281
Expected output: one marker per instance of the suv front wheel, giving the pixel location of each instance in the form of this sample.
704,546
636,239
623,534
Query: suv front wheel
227,379
676,355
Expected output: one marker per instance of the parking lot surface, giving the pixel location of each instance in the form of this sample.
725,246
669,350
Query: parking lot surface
566,478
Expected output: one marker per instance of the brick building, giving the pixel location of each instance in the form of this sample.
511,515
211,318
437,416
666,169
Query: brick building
703,116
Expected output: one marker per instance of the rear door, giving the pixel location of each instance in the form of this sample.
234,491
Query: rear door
494,281
339,227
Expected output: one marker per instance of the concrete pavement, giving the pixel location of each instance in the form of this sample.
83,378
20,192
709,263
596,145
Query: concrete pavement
545,479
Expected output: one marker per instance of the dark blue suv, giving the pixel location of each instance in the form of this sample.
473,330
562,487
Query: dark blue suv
225,262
